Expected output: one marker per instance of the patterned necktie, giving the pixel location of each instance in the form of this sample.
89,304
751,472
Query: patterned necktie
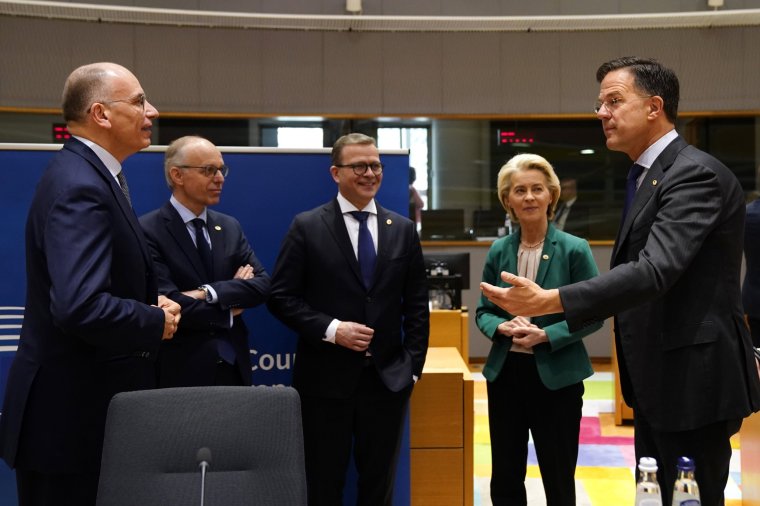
630,187
366,249
122,179
203,248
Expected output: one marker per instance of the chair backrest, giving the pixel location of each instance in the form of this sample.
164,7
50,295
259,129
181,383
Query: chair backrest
153,437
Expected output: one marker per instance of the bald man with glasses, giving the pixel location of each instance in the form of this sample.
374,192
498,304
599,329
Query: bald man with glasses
205,263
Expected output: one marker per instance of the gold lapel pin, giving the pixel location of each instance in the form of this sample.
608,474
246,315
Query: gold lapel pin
388,221
545,257
217,227
654,182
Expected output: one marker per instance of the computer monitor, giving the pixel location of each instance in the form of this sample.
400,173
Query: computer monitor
442,224
486,222
455,263
448,274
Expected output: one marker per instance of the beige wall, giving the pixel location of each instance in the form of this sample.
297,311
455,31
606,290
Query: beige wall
274,72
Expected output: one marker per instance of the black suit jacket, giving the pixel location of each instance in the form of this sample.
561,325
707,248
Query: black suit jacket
751,287
190,358
317,279
684,352
89,331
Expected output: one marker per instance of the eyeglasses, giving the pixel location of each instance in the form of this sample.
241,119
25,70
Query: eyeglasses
138,101
207,170
361,168
612,104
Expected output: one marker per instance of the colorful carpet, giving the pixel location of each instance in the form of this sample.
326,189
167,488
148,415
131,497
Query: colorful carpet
604,475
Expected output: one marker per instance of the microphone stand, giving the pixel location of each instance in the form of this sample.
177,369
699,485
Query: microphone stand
203,457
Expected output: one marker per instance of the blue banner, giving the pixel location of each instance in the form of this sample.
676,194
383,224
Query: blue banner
265,189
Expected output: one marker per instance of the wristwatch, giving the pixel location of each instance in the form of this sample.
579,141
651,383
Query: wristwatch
206,293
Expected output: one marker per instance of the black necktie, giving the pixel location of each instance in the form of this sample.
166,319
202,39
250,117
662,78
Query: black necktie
122,179
630,187
203,249
366,249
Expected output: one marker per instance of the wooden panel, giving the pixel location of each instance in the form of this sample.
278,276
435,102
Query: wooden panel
446,328
623,412
749,438
436,411
436,477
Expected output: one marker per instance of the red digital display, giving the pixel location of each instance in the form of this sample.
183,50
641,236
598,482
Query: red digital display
60,132
512,137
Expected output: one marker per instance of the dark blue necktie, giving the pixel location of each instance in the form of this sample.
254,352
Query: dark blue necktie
366,249
224,349
203,249
123,185
630,187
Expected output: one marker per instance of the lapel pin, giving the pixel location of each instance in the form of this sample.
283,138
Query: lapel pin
545,257
388,221
217,227
654,182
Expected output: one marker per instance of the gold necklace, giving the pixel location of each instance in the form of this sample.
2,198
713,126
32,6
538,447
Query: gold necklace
532,246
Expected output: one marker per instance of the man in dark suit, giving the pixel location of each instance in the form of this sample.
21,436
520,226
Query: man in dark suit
211,344
572,215
685,356
751,286
93,320
363,329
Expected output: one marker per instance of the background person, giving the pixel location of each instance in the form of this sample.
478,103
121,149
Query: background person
91,326
536,367
211,345
362,329
684,353
572,215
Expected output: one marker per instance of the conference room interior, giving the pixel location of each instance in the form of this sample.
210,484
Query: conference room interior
476,100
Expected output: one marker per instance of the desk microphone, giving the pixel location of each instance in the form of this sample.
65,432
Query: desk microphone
203,457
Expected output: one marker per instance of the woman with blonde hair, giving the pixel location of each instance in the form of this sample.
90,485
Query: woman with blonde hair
536,366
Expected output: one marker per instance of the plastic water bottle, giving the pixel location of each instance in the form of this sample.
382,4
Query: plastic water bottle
647,488
685,491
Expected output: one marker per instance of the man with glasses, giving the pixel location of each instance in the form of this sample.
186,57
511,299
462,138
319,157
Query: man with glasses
93,319
205,263
350,280
685,356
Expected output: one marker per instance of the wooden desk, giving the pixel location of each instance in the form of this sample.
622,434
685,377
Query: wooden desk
749,438
449,328
441,435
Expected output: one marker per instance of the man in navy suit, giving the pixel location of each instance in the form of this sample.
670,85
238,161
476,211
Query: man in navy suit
354,288
684,353
93,320
211,344
751,286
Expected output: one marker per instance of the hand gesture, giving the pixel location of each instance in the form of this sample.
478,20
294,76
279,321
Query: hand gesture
353,336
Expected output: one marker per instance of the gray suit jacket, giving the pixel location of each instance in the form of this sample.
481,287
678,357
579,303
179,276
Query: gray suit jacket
685,354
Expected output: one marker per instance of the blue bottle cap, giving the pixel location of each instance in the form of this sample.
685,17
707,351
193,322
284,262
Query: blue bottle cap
685,464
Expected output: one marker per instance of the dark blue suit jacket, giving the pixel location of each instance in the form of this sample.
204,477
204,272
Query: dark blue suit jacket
317,279
751,287
89,331
684,352
190,358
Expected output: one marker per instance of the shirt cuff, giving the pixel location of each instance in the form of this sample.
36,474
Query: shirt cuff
211,294
330,332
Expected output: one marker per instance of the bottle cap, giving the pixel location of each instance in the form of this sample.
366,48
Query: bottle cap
648,464
685,464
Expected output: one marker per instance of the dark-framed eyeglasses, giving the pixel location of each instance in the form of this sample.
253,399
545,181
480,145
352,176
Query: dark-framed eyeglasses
207,170
361,168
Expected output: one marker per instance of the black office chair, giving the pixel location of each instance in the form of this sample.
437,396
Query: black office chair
253,436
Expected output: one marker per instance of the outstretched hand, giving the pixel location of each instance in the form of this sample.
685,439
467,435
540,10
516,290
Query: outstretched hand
524,298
